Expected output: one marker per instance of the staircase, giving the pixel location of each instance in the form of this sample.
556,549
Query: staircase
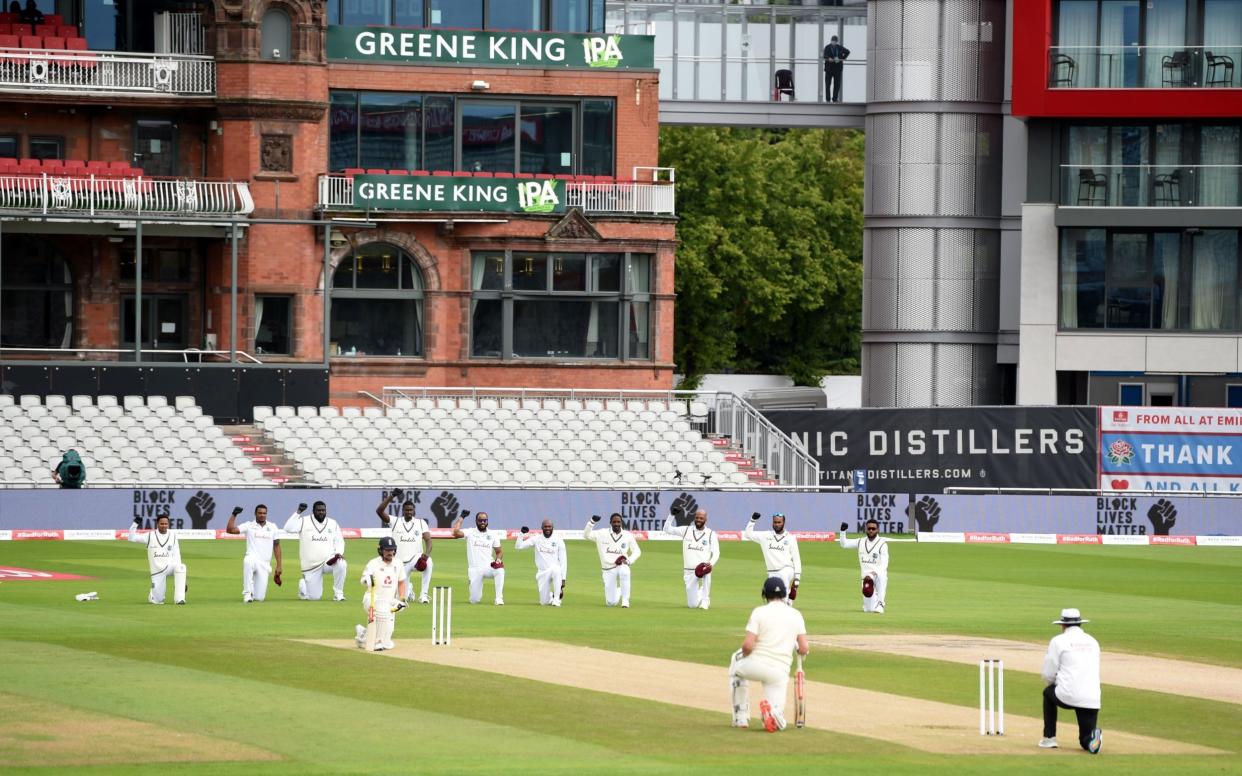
745,464
261,449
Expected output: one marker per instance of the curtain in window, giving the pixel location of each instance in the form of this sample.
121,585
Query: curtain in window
258,317
1069,290
66,338
1222,32
1218,185
1166,269
592,338
1214,279
638,323
1076,39
1166,33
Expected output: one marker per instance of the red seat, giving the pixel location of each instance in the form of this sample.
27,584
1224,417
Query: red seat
95,167
6,28
352,171
397,172
22,29
8,18
67,31
10,42
84,60
29,167
375,171
504,175
75,165
419,172
118,166
45,29
443,173
603,179
32,42
528,175
54,19
484,174
563,177
54,43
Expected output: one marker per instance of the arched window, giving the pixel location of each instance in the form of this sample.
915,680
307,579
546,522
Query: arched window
275,35
377,303
36,296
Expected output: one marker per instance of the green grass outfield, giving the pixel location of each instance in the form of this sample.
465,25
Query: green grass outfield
234,673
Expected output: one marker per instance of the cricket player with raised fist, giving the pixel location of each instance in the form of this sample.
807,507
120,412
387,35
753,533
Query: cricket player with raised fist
321,546
413,538
700,551
385,586
163,559
262,541
872,564
780,552
618,550
484,557
551,563
772,633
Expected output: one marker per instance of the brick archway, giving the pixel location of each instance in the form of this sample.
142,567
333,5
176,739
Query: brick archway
427,263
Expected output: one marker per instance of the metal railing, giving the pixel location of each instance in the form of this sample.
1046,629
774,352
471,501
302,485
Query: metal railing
1144,67
56,70
188,355
336,192
977,491
91,194
1151,185
708,412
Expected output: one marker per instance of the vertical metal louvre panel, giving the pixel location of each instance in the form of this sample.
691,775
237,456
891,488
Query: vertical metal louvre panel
959,59
881,300
986,376
880,374
987,161
986,280
956,184
884,178
954,375
915,374
918,164
954,279
884,27
916,287
920,55
991,61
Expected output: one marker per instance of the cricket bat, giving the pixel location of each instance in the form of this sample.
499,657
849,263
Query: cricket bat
799,696
371,624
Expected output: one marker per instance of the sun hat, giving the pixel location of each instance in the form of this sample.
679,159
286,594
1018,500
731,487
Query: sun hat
1070,617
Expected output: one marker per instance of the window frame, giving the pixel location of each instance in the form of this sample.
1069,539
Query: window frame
49,257
354,293
58,140
16,140
289,317
285,31
507,295
592,7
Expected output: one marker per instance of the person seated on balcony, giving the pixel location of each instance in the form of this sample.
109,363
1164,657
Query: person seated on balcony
15,8
32,14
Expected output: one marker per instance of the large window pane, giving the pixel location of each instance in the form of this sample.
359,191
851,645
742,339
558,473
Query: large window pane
530,272
391,125
36,319
547,139
597,137
343,130
570,16
440,130
377,266
1082,278
640,274
639,330
606,271
569,272
273,332
408,13
565,329
364,12
487,136
486,328
1166,276
1165,36
1129,152
487,272
1219,177
376,327
1214,281
515,15
461,14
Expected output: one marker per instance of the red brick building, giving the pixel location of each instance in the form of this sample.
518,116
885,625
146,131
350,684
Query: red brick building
531,242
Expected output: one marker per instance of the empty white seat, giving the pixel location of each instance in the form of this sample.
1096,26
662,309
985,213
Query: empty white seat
30,400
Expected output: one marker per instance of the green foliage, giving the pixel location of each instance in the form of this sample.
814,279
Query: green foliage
769,266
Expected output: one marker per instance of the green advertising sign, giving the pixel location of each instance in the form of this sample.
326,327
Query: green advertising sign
483,47
453,193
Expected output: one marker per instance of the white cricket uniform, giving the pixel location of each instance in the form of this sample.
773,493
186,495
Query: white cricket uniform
257,562
387,581
872,562
1073,664
163,561
780,553
612,546
479,556
777,628
408,534
696,547
317,543
551,565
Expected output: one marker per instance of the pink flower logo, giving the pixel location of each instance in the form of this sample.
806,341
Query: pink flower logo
1121,452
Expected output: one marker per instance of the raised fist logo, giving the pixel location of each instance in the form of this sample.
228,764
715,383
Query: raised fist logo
1162,516
925,512
445,508
683,509
201,507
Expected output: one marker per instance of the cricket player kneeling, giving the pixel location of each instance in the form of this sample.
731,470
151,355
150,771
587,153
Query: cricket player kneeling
163,559
772,633
385,583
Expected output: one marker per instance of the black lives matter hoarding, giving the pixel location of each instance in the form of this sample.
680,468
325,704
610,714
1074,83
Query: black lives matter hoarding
929,449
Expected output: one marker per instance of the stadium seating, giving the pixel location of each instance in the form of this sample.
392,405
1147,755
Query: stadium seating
135,440
500,442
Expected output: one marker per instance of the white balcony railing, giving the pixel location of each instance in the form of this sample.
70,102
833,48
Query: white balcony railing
53,70
336,192
91,195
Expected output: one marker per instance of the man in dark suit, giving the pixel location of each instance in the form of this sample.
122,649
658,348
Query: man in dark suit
834,62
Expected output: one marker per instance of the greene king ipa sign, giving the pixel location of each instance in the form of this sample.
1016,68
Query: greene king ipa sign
502,49
451,193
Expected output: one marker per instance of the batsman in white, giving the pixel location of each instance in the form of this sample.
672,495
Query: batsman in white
262,541
780,551
413,539
163,559
551,563
872,564
772,633
321,546
700,551
484,557
618,550
391,588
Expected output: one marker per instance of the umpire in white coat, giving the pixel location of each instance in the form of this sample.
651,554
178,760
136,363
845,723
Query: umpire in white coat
1072,672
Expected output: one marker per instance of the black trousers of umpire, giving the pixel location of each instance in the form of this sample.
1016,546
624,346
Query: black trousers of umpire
832,81
1087,718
